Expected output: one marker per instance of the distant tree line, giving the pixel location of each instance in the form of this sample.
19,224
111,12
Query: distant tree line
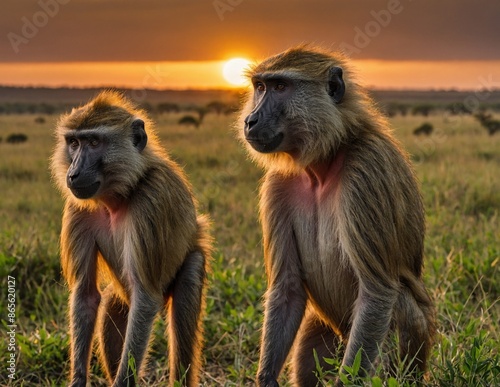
424,109
215,107
391,109
32,108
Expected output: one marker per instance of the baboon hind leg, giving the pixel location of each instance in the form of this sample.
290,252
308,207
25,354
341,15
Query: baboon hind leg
185,333
313,335
111,331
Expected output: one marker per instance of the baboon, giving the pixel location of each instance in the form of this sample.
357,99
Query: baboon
342,219
131,241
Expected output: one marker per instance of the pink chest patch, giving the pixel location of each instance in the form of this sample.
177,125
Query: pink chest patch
320,180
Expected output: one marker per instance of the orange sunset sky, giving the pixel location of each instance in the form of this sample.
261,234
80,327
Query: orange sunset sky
165,44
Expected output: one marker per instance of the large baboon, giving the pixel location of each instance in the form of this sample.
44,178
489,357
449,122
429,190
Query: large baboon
342,219
129,222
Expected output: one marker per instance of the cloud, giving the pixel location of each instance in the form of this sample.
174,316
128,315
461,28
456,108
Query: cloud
171,30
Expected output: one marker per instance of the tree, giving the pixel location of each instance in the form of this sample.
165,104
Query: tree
189,120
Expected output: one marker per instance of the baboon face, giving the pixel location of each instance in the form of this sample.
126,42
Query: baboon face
281,100
84,175
265,126
88,151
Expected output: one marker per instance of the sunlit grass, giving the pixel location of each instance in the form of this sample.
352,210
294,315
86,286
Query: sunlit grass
458,167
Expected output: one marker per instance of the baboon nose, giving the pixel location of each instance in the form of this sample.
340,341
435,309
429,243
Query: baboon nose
71,177
250,121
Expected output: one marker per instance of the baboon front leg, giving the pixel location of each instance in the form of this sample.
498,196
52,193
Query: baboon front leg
84,303
372,317
284,311
143,309
185,320
112,330
313,336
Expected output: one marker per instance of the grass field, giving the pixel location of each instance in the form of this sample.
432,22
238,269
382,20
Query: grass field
459,170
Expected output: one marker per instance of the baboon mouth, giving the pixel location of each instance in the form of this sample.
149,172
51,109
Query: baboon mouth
86,192
266,145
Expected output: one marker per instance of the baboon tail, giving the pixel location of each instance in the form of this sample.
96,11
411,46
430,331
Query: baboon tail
415,318
203,239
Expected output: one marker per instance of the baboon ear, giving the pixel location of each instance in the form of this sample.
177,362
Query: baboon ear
336,85
140,138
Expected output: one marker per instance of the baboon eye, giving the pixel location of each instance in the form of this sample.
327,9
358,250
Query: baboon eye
94,142
260,87
281,86
73,143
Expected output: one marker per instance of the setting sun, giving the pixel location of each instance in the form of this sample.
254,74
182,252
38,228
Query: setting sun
234,71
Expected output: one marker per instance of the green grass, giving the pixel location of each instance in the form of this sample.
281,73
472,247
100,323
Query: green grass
459,170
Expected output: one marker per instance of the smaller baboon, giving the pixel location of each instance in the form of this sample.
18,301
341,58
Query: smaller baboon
131,242
342,219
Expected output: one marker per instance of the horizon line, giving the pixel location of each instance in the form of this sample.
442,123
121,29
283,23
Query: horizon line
231,89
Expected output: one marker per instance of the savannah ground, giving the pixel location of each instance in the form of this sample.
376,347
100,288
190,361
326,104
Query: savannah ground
459,171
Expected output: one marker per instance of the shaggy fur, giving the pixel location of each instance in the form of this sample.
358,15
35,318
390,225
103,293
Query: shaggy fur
139,235
343,226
